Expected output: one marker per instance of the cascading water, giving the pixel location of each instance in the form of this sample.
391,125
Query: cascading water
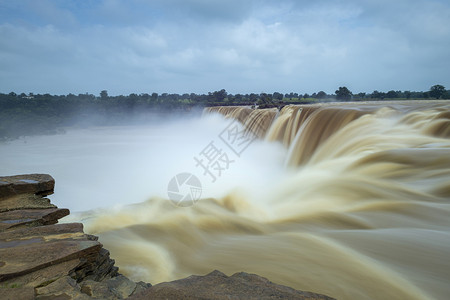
255,121
362,212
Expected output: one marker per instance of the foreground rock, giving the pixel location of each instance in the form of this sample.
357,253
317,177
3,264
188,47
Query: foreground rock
40,259
217,285
26,191
44,260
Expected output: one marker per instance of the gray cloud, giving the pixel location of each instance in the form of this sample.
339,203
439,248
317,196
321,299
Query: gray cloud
199,46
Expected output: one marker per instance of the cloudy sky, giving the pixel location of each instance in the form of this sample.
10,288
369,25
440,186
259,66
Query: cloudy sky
243,46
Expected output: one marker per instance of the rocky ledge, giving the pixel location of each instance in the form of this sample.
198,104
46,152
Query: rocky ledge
41,259
219,286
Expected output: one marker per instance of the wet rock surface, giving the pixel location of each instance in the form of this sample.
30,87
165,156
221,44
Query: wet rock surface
40,259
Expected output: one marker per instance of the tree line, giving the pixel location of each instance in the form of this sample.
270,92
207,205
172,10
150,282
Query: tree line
29,114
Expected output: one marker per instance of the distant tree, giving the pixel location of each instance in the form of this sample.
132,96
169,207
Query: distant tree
211,98
343,93
265,98
277,96
253,97
71,97
306,95
104,95
377,95
361,95
446,95
231,98
132,99
437,91
321,95
392,94
154,97
219,96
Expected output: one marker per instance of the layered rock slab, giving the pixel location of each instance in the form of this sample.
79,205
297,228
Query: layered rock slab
38,257
40,184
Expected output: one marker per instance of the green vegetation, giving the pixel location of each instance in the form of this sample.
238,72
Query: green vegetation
343,93
30,114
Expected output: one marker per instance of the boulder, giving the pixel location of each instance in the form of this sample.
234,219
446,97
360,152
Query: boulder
38,257
119,287
218,286
38,184
63,288
26,191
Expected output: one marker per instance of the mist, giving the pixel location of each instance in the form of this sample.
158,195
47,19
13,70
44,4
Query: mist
112,166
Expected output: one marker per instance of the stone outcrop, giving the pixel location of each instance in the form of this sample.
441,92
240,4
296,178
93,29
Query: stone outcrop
219,286
41,259
26,192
